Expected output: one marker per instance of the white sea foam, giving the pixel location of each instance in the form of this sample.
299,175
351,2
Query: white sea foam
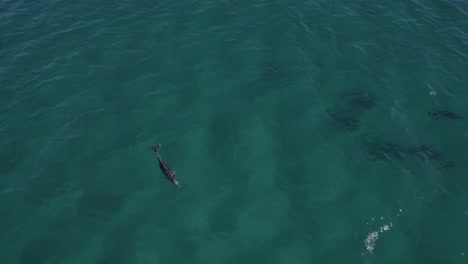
373,236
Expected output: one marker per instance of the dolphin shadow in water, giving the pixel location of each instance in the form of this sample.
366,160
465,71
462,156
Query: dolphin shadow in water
168,172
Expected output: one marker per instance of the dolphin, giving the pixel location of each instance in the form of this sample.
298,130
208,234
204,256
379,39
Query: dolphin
170,174
444,113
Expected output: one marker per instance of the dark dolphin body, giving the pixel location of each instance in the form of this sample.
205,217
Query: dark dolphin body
444,113
170,174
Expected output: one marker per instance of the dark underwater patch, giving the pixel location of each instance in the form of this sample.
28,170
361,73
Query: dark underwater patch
224,133
120,244
269,77
382,149
349,107
424,152
50,183
224,218
41,250
10,157
360,99
437,114
345,123
448,164
387,150
99,203
268,70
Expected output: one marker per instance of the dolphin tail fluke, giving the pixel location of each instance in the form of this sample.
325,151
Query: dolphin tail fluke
155,148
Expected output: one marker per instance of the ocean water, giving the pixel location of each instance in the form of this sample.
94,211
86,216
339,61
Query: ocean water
301,131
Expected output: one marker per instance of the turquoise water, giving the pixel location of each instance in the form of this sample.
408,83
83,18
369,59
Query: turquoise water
300,131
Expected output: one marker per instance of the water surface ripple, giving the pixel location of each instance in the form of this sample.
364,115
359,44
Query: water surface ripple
302,132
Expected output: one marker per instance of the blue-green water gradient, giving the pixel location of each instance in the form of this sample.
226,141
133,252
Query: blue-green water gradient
301,131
